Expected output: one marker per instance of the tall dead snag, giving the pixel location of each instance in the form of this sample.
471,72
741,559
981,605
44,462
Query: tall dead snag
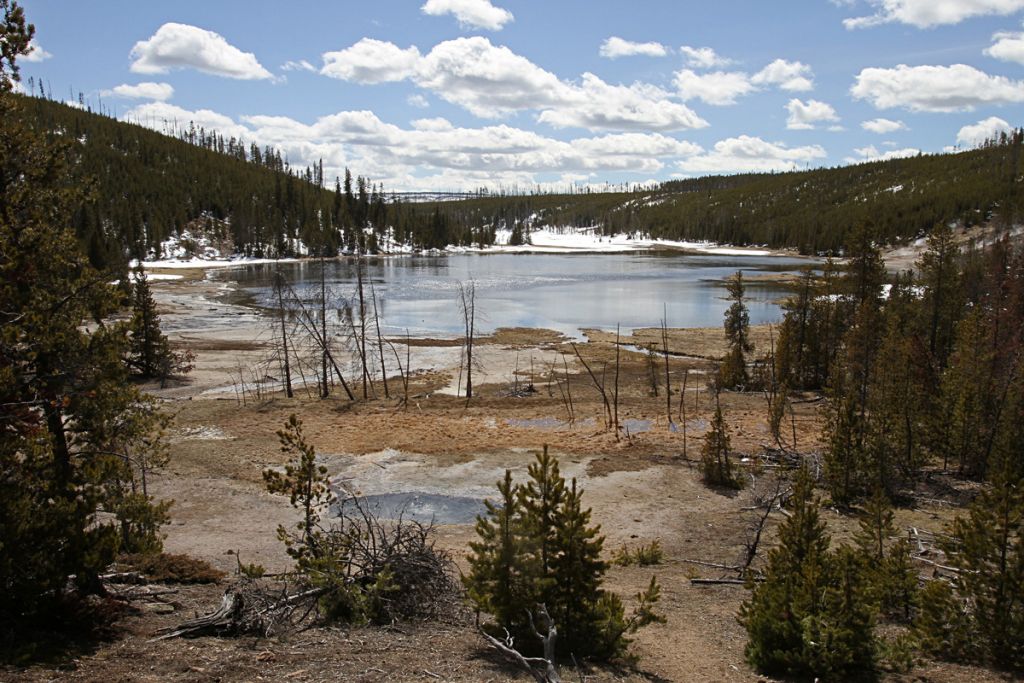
467,303
279,286
380,341
764,503
682,408
668,378
599,385
325,378
618,350
309,324
362,324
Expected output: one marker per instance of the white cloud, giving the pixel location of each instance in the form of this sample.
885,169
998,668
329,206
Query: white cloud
597,105
804,115
703,57
488,80
300,65
171,118
36,53
434,124
883,126
791,76
142,91
492,81
615,47
180,46
871,153
470,13
929,13
1009,47
716,87
418,101
432,152
974,135
371,61
751,154
935,88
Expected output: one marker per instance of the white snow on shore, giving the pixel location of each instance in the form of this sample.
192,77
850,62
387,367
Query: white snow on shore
543,240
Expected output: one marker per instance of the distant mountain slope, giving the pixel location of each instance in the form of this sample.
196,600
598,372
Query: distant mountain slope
808,210
148,187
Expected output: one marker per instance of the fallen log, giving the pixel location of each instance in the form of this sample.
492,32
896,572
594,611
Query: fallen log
224,620
715,582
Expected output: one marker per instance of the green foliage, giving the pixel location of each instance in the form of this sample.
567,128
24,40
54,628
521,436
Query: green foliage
643,555
539,547
77,438
987,546
890,574
732,373
363,569
715,464
149,351
309,489
810,614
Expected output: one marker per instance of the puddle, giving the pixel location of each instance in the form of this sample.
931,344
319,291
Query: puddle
200,433
548,423
425,508
636,426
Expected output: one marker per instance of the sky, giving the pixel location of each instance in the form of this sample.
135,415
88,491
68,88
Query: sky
443,95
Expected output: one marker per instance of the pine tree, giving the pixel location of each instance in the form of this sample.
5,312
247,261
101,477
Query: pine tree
792,593
732,374
500,576
68,411
542,501
577,572
149,353
987,547
539,548
715,464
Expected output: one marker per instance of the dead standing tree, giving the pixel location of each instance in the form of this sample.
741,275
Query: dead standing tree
467,305
279,286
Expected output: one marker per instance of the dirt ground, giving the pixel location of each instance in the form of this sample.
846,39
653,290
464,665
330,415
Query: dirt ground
641,483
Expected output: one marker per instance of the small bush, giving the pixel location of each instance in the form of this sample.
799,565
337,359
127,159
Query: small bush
170,568
643,555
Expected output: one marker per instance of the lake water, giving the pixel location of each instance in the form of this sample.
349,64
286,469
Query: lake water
563,292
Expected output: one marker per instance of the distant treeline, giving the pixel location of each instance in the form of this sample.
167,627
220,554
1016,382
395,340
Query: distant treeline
147,186
813,211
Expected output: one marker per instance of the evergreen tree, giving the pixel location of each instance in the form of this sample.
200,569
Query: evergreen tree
539,547
149,353
732,373
715,464
69,415
987,546
500,576
808,616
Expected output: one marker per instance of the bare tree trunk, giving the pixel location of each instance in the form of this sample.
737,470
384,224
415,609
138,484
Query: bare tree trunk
279,287
668,378
324,386
362,323
618,349
380,340
468,302
682,408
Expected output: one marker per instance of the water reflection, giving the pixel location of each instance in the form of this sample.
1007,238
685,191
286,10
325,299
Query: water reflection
564,292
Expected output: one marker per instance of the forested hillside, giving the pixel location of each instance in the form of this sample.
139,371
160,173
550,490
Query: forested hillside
813,211
146,187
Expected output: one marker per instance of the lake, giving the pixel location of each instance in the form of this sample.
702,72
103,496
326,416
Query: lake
563,292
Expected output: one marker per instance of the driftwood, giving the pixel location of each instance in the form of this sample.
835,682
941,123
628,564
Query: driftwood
714,582
224,620
542,669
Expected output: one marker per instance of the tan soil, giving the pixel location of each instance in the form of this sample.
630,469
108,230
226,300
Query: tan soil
641,488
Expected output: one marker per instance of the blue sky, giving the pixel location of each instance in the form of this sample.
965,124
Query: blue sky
458,94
